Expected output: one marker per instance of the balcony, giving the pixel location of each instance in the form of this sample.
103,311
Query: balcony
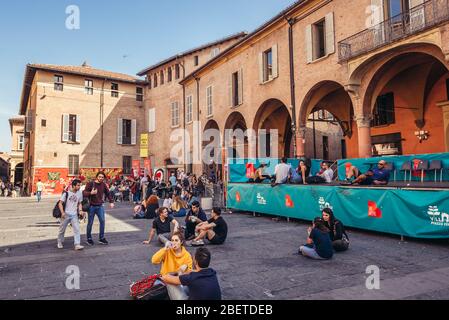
420,18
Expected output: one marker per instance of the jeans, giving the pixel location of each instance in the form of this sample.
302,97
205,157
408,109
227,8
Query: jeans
39,196
180,214
73,219
311,253
99,211
136,197
178,293
164,238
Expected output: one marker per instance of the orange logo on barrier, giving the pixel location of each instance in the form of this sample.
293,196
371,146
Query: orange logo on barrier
237,197
289,202
373,210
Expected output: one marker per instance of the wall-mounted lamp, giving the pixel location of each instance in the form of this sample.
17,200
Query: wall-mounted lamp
422,135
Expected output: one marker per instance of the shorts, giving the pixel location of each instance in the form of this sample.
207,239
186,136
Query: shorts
216,240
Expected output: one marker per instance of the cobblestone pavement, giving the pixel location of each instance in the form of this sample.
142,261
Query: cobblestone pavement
259,260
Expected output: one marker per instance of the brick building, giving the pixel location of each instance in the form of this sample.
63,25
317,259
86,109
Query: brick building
79,120
335,78
17,126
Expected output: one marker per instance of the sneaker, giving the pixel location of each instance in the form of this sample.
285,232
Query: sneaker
90,242
60,245
198,243
104,242
79,248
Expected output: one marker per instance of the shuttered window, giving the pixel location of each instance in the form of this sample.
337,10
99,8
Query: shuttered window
175,114
209,100
71,128
189,109
152,120
127,132
74,165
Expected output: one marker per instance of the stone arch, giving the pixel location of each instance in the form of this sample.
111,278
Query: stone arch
330,96
274,115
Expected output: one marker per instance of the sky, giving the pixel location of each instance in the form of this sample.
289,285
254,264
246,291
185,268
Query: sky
120,36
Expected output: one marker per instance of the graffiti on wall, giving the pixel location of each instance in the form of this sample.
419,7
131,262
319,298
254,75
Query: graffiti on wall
90,174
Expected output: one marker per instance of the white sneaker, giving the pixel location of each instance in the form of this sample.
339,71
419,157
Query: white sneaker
79,248
60,245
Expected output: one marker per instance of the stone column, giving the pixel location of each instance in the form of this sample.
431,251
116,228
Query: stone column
300,142
445,110
364,130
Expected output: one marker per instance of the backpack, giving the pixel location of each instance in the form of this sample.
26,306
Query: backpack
56,211
146,290
86,202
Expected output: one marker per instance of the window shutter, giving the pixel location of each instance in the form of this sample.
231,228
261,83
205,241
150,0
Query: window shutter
152,120
240,88
134,132
417,16
231,90
377,12
274,51
120,131
330,33
65,128
78,129
261,68
309,39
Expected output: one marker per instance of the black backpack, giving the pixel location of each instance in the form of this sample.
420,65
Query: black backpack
57,214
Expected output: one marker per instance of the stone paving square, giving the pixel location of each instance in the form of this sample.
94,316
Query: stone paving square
259,261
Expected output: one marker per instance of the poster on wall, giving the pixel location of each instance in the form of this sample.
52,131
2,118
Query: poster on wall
147,166
136,168
89,174
54,180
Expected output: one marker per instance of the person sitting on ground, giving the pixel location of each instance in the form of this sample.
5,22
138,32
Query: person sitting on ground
281,172
338,235
162,227
179,207
139,212
190,198
319,245
379,176
215,230
168,201
152,207
201,284
195,216
173,258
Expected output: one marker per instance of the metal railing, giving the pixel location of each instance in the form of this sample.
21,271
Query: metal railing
425,16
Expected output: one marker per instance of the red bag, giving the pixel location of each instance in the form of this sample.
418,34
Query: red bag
138,290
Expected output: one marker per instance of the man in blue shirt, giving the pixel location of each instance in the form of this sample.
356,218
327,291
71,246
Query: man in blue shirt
201,284
379,176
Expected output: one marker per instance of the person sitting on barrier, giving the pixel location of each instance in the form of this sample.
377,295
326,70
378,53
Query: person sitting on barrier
325,175
319,245
300,175
379,176
162,227
338,235
195,216
259,176
281,172
215,230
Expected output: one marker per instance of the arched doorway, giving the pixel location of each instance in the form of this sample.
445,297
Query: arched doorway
273,126
235,137
326,117
211,150
18,173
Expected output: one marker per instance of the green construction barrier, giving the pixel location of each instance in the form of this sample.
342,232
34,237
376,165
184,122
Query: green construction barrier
412,213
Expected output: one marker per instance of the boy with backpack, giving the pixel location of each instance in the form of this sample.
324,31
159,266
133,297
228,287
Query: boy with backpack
70,206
